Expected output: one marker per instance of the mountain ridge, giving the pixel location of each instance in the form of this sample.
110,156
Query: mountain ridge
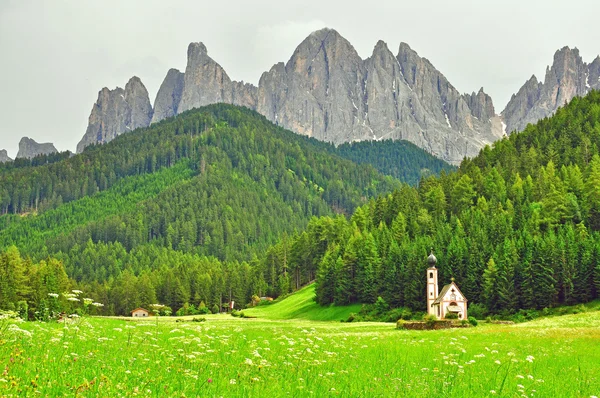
327,91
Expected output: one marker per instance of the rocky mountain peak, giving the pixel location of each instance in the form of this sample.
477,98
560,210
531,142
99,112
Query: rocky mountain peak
117,111
481,105
593,76
196,50
4,156
567,77
325,90
28,148
168,96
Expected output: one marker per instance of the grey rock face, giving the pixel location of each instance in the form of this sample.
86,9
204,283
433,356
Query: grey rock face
320,91
328,92
568,77
452,125
4,156
117,111
28,148
206,82
168,97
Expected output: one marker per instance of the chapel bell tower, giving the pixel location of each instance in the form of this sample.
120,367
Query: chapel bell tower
432,283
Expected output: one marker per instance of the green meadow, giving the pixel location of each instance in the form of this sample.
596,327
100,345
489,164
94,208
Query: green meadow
302,305
231,357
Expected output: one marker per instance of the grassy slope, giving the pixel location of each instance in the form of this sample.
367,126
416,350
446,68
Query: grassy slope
301,305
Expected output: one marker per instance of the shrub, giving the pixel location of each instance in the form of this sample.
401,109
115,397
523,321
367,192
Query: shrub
198,319
472,321
23,309
478,311
451,315
393,315
381,305
400,324
429,320
216,309
202,310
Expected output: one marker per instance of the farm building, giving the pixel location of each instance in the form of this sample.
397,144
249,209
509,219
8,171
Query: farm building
140,312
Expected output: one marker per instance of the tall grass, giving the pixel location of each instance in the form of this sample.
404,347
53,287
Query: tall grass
270,358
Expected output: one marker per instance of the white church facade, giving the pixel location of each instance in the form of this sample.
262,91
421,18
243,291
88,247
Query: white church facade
449,300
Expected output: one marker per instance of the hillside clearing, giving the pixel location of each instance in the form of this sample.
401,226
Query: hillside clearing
302,305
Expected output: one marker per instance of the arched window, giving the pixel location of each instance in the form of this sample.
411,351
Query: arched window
431,275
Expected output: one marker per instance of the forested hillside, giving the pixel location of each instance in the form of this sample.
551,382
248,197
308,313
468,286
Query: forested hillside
518,227
401,159
184,202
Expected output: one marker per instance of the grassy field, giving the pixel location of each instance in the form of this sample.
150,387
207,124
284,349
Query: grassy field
301,305
226,356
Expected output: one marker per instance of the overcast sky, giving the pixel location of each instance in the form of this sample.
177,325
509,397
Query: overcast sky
56,55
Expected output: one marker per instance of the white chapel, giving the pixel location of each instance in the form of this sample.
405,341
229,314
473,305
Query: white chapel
449,300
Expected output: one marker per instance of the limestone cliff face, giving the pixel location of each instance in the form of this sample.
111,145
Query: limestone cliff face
206,82
117,111
328,92
320,91
568,77
168,97
28,148
4,156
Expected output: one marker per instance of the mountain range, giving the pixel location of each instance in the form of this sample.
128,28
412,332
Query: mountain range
327,91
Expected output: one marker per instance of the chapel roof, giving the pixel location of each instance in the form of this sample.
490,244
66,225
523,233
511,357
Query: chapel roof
445,289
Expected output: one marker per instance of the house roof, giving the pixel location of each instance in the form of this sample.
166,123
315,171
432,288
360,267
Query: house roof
445,289
139,308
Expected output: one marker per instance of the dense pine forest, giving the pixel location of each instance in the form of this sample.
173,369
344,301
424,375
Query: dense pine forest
218,205
401,159
518,226
185,209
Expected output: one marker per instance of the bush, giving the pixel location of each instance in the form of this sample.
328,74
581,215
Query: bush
472,321
400,324
393,315
198,319
23,309
451,315
478,311
216,309
381,305
405,313
429,320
